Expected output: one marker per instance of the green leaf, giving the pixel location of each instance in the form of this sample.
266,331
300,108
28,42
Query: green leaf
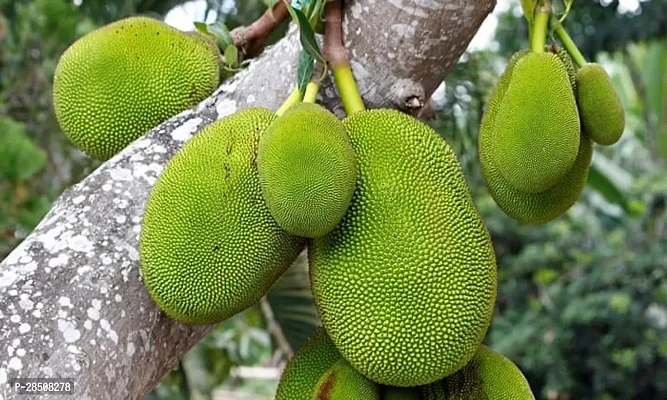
304,70
231,55
218,30
306,34
20,159
610,181
292,303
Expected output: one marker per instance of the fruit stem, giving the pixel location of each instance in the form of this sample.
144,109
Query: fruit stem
311,92
538,35
568,43
337,57
292,99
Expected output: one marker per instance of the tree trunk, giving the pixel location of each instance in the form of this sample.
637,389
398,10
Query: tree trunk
72,303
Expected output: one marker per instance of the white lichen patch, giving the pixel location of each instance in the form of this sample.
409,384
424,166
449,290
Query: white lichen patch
80,243
148,172
24,328
78,200
120,174
59,261
405,31
69,331
25,303
130,349
64,302
225,107
15,364
185,131
409,7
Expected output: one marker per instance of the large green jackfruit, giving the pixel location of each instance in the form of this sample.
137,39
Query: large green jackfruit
405,285
602,114
209,247
530,208
538,127
488,376
117,82
307,170
342,382
304,370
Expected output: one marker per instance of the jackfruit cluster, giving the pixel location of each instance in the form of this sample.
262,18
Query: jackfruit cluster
402,266
536,137
115,83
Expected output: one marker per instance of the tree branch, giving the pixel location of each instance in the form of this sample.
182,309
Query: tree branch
251,39
71,298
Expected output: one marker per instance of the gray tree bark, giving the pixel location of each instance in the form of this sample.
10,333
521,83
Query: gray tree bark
72,303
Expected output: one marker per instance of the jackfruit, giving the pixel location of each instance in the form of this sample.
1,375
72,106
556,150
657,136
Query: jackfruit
400,393
529,208
307,170
406,283
342,382
209,247
488,376
538,126
602,114
303,371
564,57
117,82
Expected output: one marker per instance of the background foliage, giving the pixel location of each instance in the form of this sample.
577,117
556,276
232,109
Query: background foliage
581,306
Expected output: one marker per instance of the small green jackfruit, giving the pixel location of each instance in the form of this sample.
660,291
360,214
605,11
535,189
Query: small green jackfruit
303,371
405,285
538,126
342,382
209,247
488,376
115,83
602,114
307,170
530,208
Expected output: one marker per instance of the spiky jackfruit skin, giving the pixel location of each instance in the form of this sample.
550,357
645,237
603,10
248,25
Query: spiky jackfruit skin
602,114
400,393
405,285
488,376
342,382
307,170
115,83
209,247
564,57
528,208
538,126
303,371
